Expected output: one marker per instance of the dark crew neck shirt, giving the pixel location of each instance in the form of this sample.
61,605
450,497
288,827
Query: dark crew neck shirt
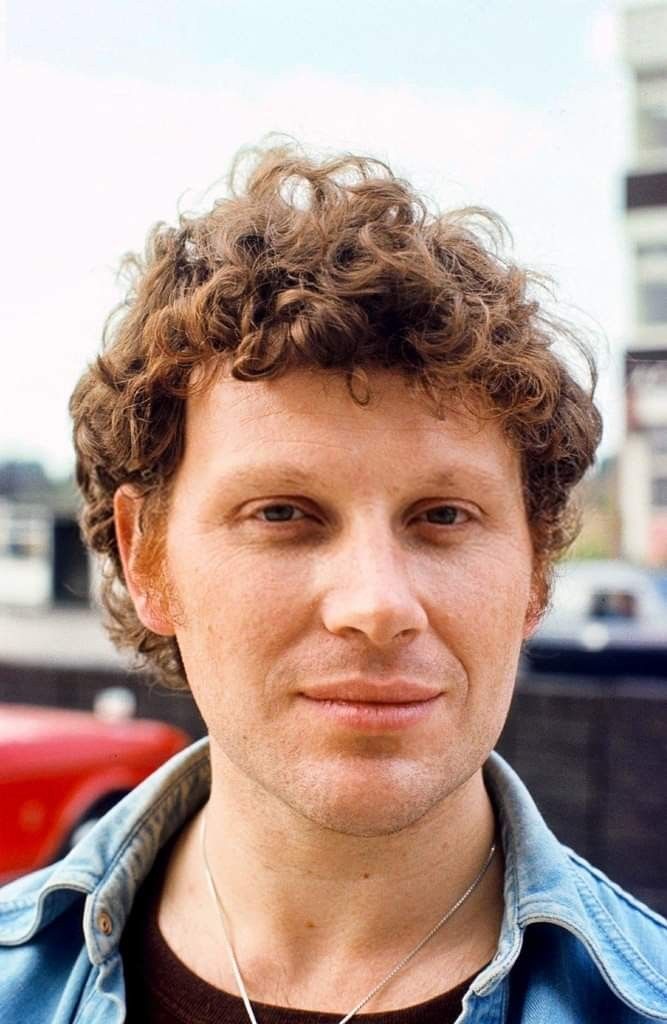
160,989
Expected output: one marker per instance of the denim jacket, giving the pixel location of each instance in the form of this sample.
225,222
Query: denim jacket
574,947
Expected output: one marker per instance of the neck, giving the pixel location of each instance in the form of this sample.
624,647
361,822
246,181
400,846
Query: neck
281,866
319,897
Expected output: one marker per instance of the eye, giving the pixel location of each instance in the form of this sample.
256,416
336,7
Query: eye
447,515
280,513
285,512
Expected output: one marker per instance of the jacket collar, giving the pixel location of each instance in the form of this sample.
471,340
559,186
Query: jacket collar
112,860
547,882
544,880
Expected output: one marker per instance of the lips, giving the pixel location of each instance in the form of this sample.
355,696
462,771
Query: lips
373,707
373,691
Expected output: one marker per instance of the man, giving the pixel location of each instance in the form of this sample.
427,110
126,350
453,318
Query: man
328,455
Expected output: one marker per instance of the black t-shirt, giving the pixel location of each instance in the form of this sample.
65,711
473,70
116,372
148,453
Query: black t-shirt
160,989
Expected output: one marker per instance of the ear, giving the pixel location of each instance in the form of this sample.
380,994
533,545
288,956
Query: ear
147,600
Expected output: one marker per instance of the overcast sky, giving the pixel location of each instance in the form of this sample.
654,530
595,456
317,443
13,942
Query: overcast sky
116,114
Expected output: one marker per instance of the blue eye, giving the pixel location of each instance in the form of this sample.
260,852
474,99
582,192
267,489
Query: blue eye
270,510
446,515
285,512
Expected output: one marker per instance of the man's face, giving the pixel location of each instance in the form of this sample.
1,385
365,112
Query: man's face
353,586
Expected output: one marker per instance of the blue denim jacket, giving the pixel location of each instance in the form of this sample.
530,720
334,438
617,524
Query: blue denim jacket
573,947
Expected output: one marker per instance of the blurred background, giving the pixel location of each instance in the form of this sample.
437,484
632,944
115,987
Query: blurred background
555,116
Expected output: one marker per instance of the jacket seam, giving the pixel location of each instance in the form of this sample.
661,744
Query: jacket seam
500,971
95,896
25,902
34,901
616,891
626,950
38,905
630,999
165,798
94,993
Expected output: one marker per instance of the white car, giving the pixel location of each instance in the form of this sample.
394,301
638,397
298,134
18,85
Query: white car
605,618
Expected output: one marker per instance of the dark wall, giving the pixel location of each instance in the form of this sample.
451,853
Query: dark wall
594,756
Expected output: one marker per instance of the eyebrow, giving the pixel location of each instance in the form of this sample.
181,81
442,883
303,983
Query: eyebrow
291,475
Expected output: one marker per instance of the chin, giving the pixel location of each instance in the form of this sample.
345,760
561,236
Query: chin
368,808
363,827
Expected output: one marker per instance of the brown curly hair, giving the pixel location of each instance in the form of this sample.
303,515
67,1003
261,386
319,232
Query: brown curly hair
339,265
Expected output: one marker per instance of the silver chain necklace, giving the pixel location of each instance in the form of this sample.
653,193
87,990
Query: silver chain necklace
399,966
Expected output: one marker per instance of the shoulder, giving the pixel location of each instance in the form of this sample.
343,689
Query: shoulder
34,900
60,926
619,919
39,964
611,953
597,954
574,927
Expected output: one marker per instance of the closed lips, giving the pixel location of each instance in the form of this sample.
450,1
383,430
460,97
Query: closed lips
394,692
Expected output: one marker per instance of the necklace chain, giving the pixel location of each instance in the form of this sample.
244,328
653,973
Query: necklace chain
399,966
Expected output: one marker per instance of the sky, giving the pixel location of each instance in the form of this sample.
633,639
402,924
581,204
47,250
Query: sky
117,115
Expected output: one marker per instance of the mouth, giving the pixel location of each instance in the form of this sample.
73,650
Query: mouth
374,691
373,709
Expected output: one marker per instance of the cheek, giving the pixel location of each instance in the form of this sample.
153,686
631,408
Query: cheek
238,608
486,609
486,639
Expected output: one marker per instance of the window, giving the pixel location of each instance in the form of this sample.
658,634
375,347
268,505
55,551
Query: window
649,250
653,302
659,492
651,116
659,438
652,128
652,282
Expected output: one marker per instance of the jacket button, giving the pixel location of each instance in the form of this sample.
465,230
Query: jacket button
105,923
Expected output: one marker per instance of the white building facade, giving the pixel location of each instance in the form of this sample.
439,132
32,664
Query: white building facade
643,463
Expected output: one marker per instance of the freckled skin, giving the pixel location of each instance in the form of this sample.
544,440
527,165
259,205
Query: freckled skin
364,570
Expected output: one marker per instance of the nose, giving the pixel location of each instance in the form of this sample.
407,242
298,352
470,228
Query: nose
368,590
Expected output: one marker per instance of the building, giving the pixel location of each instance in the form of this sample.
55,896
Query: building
643,466
43,562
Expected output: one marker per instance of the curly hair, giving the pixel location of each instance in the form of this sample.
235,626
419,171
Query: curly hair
340,265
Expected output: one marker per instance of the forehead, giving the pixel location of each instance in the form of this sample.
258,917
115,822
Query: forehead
308,417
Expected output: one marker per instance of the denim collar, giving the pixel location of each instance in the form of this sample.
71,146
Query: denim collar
544,880
547,882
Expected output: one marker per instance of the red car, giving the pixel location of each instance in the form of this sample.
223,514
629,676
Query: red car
62,770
